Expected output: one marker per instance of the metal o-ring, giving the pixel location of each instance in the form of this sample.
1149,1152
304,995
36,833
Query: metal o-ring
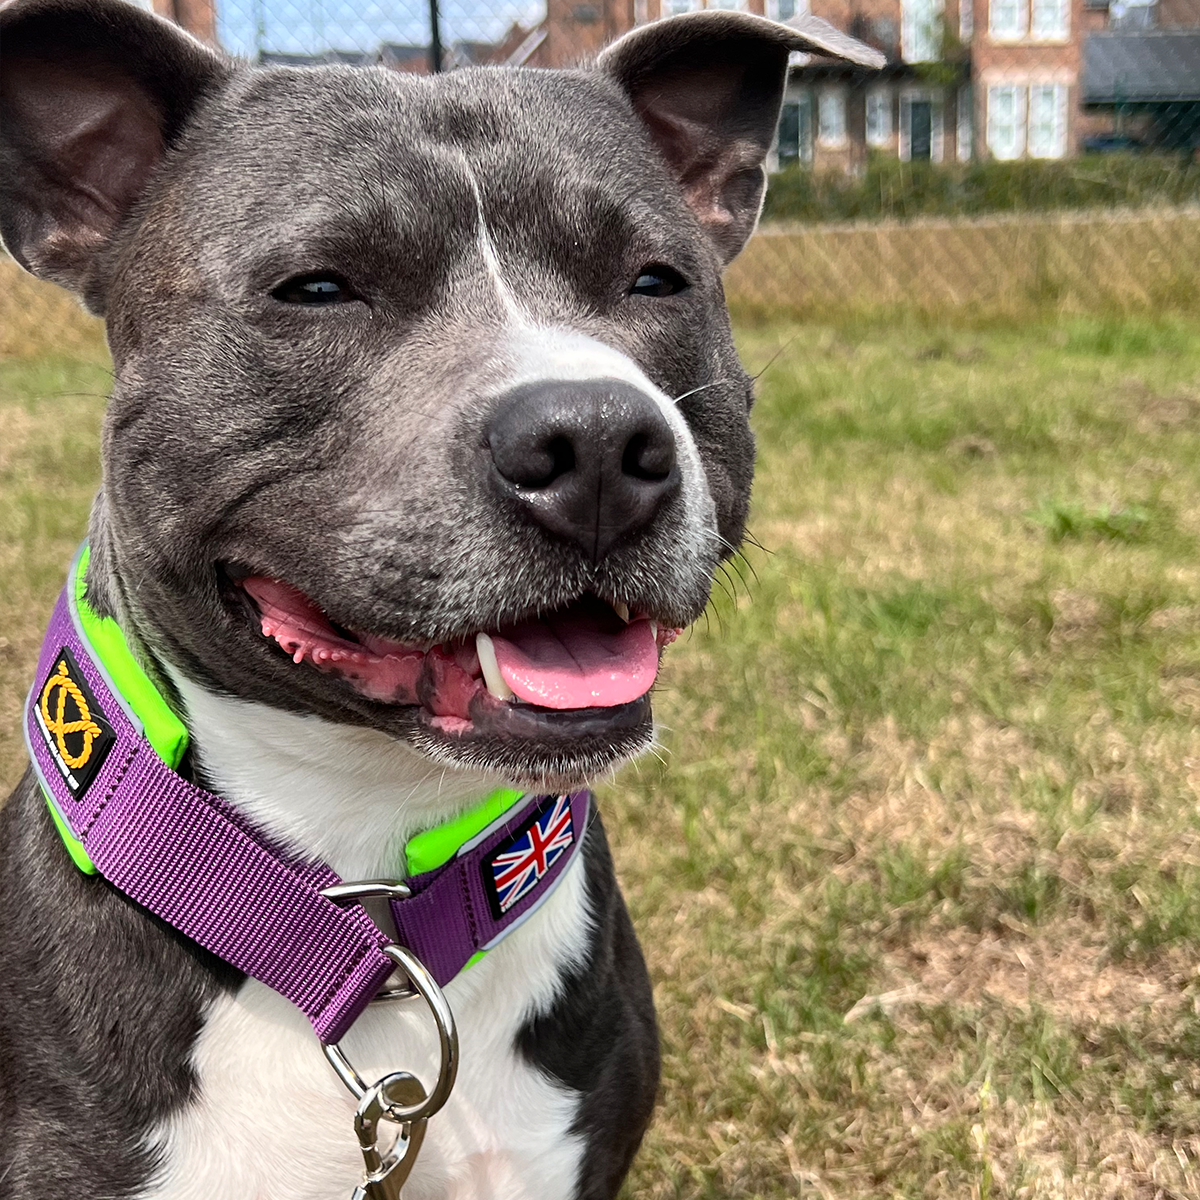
427,988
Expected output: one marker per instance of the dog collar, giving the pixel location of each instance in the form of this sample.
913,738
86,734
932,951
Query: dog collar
105,744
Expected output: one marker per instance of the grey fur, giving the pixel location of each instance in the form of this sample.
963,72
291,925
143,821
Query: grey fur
340,449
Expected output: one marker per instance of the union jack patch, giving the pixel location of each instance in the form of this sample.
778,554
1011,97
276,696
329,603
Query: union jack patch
519,863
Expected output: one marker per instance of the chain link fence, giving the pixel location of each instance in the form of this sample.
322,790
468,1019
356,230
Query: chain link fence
1013,156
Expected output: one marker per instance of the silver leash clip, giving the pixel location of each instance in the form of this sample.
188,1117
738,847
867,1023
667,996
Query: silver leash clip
387,1173
399,1097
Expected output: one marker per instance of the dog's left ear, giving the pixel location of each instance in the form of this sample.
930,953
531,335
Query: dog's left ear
708,87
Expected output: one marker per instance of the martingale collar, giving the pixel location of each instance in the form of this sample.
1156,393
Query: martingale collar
105,744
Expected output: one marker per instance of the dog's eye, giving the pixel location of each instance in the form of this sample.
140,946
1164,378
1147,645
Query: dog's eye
313,289
657,279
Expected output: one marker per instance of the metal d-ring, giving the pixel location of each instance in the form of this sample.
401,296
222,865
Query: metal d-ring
427,988
367,889
373,889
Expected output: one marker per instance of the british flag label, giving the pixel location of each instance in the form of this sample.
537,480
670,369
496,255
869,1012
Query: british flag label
516,867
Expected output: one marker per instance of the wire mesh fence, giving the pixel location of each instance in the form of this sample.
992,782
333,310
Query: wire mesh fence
1012,155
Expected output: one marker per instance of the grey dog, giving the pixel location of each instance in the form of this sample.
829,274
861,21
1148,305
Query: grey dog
440,364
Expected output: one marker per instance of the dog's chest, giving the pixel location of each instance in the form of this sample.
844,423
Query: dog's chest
271,1120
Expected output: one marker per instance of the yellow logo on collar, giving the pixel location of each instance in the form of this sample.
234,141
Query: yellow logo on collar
61,688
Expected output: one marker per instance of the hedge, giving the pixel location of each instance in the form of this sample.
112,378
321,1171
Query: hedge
893,190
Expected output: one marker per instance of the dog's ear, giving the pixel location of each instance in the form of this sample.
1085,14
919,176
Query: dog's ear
92,94
708,86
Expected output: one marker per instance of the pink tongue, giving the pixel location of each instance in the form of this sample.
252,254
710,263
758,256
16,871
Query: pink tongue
567,661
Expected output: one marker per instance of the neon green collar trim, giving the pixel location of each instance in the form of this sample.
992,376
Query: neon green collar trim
169,736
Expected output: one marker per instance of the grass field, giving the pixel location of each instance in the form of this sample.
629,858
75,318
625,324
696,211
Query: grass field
1021,266
918,875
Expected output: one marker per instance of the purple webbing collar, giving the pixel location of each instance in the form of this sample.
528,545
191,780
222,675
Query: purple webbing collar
192,859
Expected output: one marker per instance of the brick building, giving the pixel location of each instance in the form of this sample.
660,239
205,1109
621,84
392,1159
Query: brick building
1005,79
196,16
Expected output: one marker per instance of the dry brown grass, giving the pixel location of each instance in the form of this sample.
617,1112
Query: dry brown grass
1014,266
36,317
919,883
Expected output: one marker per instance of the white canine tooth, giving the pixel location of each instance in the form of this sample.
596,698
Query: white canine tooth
622,610
491,668
654,629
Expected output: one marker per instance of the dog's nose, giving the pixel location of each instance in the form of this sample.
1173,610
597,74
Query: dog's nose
590,460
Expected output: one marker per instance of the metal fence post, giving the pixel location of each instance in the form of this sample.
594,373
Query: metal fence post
435,39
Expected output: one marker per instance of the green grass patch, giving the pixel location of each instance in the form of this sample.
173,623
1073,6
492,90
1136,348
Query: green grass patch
916,871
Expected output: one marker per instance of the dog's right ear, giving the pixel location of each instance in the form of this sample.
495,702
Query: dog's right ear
708,87
92,94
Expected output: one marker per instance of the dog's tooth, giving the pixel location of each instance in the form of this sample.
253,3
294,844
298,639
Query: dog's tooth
622,610
492,678
298,657
654,629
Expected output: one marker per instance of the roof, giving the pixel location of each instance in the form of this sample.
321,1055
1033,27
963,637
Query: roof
273,58
350,58
1141,67
402,50
824,38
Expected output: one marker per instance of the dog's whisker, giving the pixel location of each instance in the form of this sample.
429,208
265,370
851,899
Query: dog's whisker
703,387
771,361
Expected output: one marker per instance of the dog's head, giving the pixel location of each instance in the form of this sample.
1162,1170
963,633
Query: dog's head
426,413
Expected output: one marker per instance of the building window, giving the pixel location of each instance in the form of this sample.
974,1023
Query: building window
794,141
1047,120
966,20
831,117
673,8
1050,20
739,5
1131,14
1007,18
879,118
964,124
785,10
920,132
921,30
1006,121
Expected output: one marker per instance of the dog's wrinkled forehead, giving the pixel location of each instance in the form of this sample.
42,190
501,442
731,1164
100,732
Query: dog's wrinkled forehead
417,185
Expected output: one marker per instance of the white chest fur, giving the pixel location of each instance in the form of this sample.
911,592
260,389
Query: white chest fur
270,1119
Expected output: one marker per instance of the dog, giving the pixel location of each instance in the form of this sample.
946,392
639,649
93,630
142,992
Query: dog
427,434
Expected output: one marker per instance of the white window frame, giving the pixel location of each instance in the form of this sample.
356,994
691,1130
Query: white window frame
1008,32
879,101
966,21
920,25
1050,20
1020,103
964,125
1049,139
831,134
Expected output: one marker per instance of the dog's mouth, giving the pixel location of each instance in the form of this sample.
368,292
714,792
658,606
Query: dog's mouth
584,669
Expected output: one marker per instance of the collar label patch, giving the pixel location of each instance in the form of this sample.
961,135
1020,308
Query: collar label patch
518,864
77,734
